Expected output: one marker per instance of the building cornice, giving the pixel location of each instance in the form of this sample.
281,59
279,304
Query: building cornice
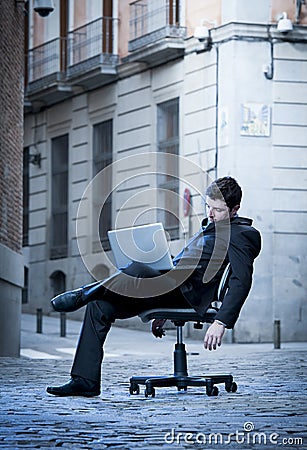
233,31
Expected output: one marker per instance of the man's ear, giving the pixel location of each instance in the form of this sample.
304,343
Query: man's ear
234,210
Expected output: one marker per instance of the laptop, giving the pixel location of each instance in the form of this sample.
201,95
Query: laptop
145,243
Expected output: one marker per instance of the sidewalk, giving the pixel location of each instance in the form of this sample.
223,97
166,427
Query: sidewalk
267,412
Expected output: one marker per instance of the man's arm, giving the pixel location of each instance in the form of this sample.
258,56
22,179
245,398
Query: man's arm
242,252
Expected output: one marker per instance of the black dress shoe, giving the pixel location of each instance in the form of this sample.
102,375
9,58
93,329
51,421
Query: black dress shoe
69,301
76,386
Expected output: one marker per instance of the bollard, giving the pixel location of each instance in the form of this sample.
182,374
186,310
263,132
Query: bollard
277,334
39,320
63,324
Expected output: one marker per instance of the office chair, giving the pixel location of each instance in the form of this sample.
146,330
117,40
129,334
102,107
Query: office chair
180,377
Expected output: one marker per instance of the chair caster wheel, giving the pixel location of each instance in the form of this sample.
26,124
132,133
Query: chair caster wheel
134,389
212,391
232,387
183,388
150,391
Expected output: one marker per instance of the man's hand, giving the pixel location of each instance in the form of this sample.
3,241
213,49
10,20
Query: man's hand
214,336
156,327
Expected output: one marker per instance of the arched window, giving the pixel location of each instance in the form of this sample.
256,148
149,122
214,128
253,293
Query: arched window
100,272
58,282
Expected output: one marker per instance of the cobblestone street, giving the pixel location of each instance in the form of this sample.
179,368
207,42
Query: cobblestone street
267,411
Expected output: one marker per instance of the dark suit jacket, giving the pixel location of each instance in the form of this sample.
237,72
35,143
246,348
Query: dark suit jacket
238,244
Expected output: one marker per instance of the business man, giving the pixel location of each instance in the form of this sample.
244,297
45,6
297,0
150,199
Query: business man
224,237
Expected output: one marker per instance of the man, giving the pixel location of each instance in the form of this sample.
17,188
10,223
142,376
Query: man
223,238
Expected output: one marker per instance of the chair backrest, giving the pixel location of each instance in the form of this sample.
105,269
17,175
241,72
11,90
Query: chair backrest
181,315
223,286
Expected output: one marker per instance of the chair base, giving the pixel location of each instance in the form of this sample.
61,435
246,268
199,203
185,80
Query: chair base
182,382
181,379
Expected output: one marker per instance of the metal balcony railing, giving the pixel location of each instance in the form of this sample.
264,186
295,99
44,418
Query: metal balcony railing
93,39
47,59
151,20
82,49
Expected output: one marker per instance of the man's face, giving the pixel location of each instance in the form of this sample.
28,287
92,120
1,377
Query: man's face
218,210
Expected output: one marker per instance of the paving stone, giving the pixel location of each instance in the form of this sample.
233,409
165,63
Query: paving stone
267,412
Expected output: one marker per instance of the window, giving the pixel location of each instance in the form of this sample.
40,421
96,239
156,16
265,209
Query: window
58,282
100,272
107,24
168,178
102,157
25,180
174,12
63,34
59,201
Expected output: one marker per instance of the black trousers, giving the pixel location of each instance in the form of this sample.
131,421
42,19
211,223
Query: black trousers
106,305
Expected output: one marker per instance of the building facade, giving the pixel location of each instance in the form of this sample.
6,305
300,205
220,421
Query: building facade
125,107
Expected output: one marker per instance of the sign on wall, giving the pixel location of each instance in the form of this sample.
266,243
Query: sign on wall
255,120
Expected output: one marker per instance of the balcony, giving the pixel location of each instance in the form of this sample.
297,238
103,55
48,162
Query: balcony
92,60
156,34
84,58
47,73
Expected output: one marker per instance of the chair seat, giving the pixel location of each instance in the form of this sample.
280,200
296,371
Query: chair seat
178,314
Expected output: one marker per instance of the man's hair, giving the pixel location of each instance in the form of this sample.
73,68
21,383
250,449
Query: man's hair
226,189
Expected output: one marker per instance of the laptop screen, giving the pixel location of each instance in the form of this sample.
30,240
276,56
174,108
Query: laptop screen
145,243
